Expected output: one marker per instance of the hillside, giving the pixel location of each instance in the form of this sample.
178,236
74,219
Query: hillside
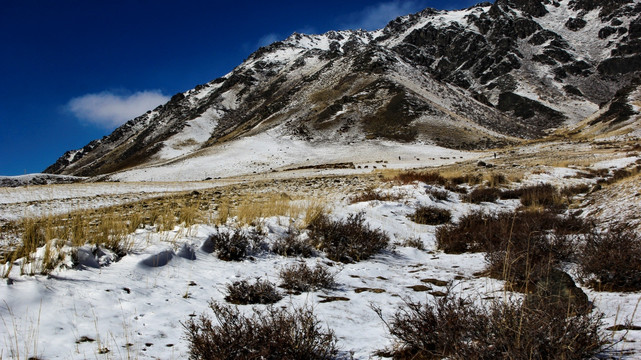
486,76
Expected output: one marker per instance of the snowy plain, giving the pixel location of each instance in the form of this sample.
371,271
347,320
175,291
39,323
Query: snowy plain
129,309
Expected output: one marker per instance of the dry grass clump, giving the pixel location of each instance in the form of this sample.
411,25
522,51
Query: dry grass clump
260,292
496,179
611,260
450,327
233,245
542,195
300,277
292,245
270,334
370,194
430,215
348,240
427,177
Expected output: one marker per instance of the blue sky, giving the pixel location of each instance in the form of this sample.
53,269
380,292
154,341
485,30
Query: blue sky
72,70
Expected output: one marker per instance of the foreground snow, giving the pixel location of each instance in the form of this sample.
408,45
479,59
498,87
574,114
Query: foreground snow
135,310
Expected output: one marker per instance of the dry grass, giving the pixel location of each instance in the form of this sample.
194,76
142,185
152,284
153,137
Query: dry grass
252,209
107,227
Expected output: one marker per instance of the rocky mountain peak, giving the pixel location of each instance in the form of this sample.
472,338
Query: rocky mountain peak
483,76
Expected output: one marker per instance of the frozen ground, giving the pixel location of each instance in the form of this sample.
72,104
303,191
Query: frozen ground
134,310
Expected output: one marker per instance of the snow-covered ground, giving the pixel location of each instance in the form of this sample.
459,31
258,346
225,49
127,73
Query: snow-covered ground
134,310
270,151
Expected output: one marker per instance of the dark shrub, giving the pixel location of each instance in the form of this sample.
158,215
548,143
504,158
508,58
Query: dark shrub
371,195
430,215
346,240
453,328
517,330
544,195
430,331
511,194
466,179
611,260
496,179
231,246
292,245
427,177
482,194
570,191
520,247
244,293
270,334
437,194
300,277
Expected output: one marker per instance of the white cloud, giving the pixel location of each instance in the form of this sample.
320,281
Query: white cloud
376,17
109,110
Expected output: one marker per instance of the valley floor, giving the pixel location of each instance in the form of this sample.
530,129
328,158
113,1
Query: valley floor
135,307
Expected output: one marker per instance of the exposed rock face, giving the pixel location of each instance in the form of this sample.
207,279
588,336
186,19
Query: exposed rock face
473,78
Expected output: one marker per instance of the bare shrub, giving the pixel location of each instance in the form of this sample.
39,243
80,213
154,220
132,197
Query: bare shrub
371,195
437,194
478,231
260,292
483,194
496,179
517,330
611,260
544,195
451,327
469,179
292,245
430,215
300,277
270,334
233,246
348,240
570,191
429,331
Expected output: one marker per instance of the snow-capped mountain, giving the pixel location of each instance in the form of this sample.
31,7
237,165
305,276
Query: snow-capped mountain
484,76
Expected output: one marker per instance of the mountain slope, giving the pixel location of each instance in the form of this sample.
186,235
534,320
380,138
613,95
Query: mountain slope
484,76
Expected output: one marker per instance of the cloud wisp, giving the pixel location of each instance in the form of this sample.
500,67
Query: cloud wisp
377,16
110,110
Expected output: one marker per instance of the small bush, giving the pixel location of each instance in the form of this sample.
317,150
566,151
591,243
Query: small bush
427,177
544,195
270,334
570,191
300,277
371,195
292,245
466,179
437,194
451,327
496,179
429,331
233,246
611,260
482,194
260,292
430,215
348,240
